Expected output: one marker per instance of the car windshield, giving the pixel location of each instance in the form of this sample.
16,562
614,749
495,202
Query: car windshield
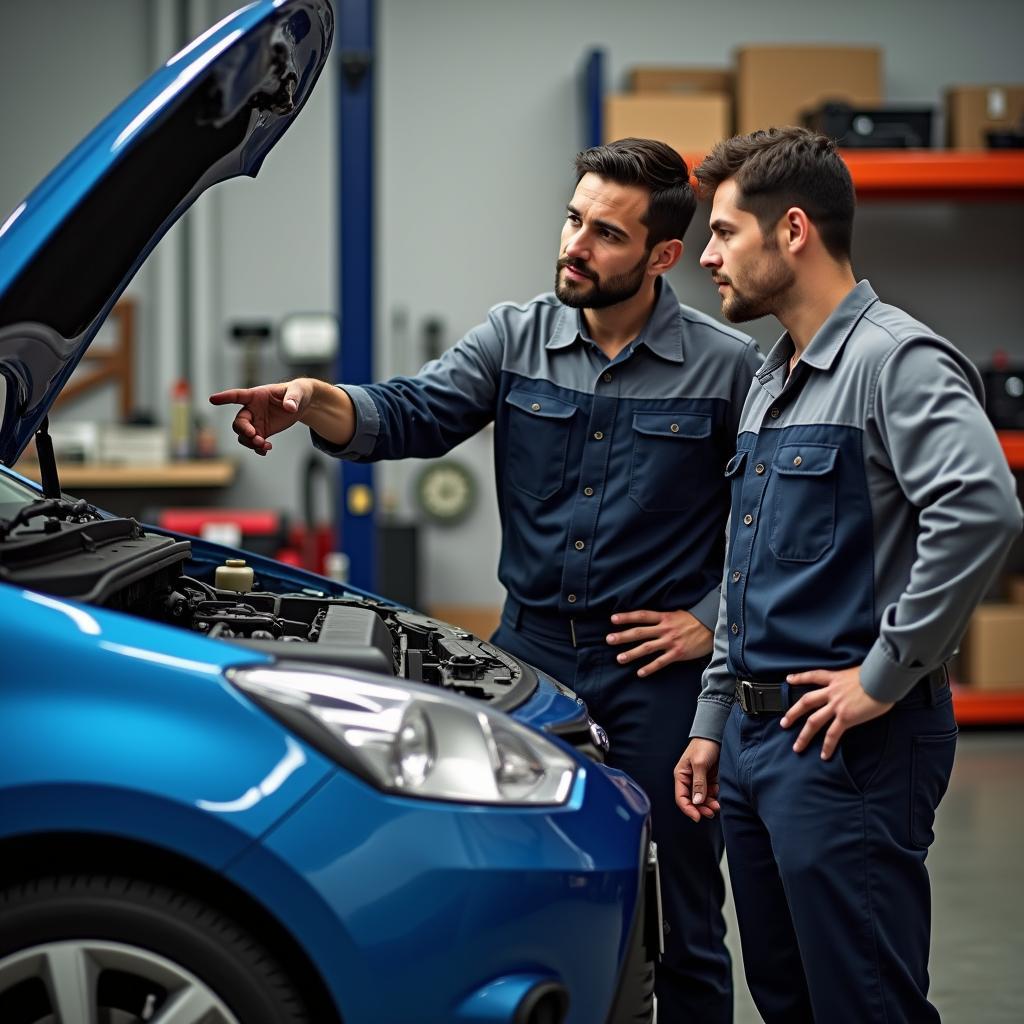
14,495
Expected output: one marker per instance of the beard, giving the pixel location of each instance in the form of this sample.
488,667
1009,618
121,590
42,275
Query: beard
600,294
760,291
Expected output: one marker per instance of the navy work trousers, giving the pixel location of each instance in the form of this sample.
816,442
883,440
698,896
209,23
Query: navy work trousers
648,723
826,860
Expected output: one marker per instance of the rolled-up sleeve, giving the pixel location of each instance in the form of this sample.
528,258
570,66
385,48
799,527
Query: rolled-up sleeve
950,466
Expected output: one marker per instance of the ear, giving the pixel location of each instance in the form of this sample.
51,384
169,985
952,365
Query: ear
664,256
794,229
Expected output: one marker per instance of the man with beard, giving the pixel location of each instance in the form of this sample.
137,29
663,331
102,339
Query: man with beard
871,508
615,412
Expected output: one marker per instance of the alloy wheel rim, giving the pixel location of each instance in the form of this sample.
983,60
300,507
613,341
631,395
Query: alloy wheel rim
82,977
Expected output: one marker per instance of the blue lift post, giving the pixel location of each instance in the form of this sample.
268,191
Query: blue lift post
356,498
592,95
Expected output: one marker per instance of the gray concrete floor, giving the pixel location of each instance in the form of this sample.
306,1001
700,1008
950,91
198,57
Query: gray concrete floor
977,870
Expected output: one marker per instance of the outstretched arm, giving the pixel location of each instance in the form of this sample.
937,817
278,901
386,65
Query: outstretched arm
271,408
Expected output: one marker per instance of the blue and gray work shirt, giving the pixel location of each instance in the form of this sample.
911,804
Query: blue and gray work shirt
871,508
610,472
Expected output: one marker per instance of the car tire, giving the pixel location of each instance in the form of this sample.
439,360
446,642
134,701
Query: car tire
131,950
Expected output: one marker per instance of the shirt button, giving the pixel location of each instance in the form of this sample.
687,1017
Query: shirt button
759,468
535,407
797,461
571,599
736,576
588,491
774,414
606,377
734,629
579,545
748,519
674,428
598,436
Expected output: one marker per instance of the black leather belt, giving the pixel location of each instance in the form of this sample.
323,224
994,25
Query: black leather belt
578,632
760,698
770,698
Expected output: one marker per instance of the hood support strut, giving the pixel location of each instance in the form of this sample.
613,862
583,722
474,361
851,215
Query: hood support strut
47,460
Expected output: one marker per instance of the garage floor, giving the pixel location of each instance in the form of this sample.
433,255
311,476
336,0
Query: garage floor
977,872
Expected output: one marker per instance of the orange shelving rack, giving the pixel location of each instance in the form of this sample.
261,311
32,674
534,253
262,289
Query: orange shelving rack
936,174
994,707
923,174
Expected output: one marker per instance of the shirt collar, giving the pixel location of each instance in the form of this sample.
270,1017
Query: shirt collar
661,334
826,345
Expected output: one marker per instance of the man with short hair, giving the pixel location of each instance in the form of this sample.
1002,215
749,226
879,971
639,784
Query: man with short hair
871,508
615,411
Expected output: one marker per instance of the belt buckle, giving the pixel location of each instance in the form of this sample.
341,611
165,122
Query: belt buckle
572,631
747,695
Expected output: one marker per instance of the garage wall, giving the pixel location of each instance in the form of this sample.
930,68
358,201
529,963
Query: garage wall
478,123
251,249
58,79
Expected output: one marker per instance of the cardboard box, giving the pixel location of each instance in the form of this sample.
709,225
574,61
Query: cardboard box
776,84
992,652
972,110
1015,589
690,124
680,79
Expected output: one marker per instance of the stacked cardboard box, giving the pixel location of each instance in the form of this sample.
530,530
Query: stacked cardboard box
689,108
777,85
692,108
992,652
974,110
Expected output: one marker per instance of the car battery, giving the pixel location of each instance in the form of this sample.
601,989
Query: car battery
874,127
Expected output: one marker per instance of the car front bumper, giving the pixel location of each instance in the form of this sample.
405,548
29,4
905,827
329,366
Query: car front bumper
443,912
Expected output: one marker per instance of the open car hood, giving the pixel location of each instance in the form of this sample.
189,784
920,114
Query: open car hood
212,112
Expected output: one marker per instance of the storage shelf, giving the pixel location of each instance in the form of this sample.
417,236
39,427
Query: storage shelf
101,476
1013,445
931,173
988,707
924,174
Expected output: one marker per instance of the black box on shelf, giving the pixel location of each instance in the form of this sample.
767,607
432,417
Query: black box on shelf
873,127
1004,395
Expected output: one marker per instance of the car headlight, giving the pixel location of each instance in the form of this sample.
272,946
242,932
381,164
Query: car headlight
405,739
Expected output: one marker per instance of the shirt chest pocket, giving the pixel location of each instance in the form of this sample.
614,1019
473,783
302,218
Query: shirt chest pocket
803,523
671,452
538,440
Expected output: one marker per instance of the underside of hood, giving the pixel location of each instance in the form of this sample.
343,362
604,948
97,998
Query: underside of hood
212,112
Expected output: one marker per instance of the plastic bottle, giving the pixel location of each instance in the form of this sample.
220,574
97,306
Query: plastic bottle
181,420
235,575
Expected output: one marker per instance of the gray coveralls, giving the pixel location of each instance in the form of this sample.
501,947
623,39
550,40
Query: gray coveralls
871,508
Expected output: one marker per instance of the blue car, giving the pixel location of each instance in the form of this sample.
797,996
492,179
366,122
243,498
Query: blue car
247,794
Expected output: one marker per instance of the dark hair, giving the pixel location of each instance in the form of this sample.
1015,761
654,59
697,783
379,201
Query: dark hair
656,167
776,168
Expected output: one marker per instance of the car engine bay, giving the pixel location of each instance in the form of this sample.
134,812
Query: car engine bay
66,549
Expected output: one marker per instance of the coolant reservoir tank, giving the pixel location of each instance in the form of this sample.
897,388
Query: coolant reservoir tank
235,575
